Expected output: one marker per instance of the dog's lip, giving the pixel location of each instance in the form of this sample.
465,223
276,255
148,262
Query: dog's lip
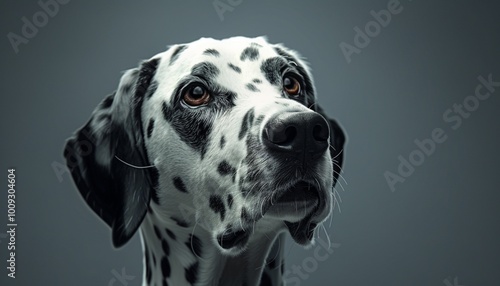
232,238
301,231
296,202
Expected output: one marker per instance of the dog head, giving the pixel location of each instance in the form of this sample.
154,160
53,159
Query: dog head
230,129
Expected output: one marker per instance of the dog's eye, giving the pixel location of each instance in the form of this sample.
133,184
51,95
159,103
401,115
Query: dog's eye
291,85
196,95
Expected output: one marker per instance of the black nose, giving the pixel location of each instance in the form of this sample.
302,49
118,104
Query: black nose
297,132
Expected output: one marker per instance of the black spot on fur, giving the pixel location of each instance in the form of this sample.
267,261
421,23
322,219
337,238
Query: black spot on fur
151,90
180,222
250,53
146,74
265,280
222,142
252,87
170,234
154,175
154,258
225,169
157,232
151,125
165,283
246,123
191,273
176,53
234,68
256,80
165,267
282,266
212,52
165,247
230,201
179,185
108,101
194,244
217,205
272,69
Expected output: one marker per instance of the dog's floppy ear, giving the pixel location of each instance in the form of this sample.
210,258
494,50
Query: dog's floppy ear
337,142
116,191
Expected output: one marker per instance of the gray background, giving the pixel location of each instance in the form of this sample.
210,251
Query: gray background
440,225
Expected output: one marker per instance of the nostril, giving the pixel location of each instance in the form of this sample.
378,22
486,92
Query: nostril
320,133
280,135
290,134
275,134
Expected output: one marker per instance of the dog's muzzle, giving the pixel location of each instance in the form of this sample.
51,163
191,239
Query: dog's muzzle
298,140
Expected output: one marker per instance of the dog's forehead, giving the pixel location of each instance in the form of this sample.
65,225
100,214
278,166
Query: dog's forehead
230,49
179,60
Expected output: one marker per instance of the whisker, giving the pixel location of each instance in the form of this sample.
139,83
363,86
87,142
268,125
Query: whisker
134,166
327,236
340,176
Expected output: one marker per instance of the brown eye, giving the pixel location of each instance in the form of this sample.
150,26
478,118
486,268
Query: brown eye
196,96
291,85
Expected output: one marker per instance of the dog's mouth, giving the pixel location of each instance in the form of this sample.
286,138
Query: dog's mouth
295,203
232,239
296,207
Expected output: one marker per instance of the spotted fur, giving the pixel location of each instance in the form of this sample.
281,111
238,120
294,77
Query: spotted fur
200,182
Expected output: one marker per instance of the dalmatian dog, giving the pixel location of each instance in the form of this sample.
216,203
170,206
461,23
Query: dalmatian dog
215,150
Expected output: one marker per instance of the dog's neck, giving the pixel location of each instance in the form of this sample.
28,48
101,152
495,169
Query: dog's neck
179,253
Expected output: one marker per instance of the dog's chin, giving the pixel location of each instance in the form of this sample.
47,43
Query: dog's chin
296,207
